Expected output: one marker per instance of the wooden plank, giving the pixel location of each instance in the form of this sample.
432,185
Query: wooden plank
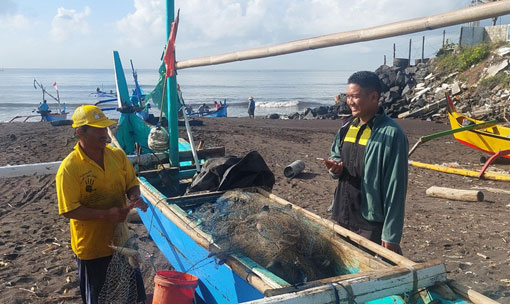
360,288
470,294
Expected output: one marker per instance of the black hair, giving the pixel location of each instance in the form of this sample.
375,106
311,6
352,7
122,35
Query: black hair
366,80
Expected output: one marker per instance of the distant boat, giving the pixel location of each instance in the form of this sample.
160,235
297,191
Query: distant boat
221,112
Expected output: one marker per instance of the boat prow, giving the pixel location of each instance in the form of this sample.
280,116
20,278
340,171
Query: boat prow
491,139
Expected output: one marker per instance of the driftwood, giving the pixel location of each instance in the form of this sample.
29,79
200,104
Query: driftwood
433,106
455,194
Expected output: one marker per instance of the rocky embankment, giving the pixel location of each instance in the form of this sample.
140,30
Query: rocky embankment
419,91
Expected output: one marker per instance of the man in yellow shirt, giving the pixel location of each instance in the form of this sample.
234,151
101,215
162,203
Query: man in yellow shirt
92,184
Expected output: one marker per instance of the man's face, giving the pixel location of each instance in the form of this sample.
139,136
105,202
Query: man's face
93,138
363,103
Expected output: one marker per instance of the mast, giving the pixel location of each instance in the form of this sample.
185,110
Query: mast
171,97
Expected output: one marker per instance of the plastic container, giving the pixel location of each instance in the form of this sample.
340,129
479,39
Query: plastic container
294,169
174,287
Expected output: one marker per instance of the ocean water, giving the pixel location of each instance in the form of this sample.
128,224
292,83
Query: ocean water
275,91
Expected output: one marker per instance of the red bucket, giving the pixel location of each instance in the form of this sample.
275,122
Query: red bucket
174,287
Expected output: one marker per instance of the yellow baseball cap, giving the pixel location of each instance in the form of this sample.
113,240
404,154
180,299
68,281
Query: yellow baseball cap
91,116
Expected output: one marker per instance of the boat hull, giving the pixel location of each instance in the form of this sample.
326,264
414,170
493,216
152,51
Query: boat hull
489,140
221,112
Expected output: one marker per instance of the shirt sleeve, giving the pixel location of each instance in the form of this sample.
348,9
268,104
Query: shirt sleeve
131,179
68,190
335,153
394,188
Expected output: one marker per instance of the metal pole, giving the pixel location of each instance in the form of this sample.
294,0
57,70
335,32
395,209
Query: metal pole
384,59
423,49
444,36
172,99
409,62
394,51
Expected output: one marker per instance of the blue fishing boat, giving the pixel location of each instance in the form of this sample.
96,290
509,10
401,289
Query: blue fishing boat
220,112
359,274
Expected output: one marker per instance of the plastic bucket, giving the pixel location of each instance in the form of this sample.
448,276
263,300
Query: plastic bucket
174,287
294,169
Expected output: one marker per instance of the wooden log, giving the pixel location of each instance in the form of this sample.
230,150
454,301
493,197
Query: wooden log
363,287
455,194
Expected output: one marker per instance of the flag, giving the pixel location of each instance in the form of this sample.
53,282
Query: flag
55,85
169,57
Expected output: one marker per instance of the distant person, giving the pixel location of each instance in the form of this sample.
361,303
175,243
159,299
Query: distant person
44,110
203,109
251,107
369,159
94,183
217,105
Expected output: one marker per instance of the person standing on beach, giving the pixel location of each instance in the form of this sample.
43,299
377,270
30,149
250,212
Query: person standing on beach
251,107
369,159
44,110
92,184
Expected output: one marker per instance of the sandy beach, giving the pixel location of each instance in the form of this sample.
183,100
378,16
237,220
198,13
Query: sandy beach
471,238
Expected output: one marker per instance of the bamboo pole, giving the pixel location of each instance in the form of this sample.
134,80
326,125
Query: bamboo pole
470,173
378,32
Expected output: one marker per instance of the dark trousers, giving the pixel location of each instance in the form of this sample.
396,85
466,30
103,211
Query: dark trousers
92,275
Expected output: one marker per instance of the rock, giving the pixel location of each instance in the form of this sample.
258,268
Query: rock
407,89
273,116
322,110
502,51
455,88
495,68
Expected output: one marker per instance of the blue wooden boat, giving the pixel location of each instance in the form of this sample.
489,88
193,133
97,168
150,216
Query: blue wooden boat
366,272
221,112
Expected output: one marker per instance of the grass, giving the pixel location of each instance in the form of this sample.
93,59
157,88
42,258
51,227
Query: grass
461,59
501,79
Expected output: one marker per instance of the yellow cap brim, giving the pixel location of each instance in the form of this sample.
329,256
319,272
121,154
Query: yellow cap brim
102,123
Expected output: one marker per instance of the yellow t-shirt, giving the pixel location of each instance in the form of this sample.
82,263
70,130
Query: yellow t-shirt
82,182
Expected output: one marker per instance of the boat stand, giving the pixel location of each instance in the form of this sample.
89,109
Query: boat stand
491,160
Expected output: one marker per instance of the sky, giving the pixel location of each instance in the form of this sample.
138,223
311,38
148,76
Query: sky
83,34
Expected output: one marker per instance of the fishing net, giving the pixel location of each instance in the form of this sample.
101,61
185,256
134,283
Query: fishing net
274,236
121,285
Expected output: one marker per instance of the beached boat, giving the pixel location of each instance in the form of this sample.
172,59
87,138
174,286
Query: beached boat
220,112
363,271
491,139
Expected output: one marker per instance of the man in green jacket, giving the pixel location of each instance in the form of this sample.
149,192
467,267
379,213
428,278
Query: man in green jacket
369,159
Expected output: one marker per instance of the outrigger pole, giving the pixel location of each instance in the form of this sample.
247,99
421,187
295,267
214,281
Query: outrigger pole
465,15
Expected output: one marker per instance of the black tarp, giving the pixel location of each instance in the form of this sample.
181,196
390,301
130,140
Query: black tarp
224,173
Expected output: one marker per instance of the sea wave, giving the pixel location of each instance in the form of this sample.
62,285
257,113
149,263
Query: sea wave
277,104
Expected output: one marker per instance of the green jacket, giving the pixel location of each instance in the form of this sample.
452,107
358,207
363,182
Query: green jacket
384,182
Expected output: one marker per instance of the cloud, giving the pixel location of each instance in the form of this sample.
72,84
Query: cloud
68,22
14,22
146,26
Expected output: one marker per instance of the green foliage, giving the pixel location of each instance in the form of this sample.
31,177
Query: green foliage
473,55
501,79
461,60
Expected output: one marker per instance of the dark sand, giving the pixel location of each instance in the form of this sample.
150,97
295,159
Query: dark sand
471,238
